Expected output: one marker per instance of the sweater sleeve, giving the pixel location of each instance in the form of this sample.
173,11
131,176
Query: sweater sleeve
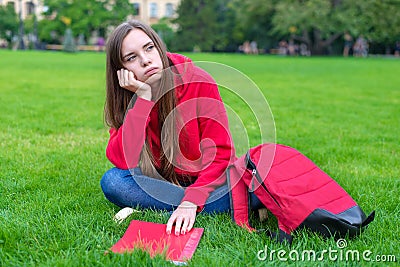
216,145
126,143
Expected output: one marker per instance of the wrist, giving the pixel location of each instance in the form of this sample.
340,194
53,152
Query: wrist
145,94
188,204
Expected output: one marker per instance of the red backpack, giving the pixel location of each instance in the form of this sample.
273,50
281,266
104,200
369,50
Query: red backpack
295,190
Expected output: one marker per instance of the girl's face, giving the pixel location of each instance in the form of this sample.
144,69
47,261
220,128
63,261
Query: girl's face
140,56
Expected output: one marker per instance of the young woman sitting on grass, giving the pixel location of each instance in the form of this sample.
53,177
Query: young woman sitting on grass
169,135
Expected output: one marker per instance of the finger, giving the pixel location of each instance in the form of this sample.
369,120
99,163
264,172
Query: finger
178,225
185,225
132,80
119,77
191,222
131,76
170,223
126,77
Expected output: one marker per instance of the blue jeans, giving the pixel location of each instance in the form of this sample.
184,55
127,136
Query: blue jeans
130,188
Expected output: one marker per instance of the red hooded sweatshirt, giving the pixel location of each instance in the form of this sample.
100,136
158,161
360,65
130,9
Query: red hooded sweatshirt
206,147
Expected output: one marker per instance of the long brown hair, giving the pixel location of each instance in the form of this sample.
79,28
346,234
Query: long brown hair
119,100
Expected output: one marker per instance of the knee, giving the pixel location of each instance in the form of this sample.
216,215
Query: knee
111,181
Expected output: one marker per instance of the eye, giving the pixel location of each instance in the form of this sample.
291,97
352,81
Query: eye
149,48
130,58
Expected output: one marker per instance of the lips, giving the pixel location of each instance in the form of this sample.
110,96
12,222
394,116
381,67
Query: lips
151,71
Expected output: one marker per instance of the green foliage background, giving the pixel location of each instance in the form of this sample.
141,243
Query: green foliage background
223,25
8,22
317,23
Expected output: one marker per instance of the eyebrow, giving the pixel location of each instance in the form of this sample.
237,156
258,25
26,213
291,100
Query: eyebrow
144,46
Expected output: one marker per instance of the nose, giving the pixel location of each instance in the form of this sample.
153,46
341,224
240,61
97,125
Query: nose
146,60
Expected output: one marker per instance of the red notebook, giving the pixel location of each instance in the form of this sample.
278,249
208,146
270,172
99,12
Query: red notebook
152,237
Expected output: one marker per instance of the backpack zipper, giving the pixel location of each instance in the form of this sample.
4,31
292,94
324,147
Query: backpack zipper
254,173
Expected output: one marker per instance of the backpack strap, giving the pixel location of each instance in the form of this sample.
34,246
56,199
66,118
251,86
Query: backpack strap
280,236
239,199
369,219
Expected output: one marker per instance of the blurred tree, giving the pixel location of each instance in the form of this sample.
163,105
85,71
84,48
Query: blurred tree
221,25
196,25
225,38
50,31
8,23
313,22
165,31
318,23
378,21
205,24
118,11
86,16
254,21
29,29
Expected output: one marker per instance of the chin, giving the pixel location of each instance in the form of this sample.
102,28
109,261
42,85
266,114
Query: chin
154,79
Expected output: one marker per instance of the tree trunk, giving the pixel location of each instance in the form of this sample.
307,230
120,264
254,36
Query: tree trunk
320,45
305,38
317,45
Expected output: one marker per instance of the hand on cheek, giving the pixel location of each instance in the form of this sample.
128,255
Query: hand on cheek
128,81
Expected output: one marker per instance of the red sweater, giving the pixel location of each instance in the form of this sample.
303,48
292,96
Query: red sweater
206,146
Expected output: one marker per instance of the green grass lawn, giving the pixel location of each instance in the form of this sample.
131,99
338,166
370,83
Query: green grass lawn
343,113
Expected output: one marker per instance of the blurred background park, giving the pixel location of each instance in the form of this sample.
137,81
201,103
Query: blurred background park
285,27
